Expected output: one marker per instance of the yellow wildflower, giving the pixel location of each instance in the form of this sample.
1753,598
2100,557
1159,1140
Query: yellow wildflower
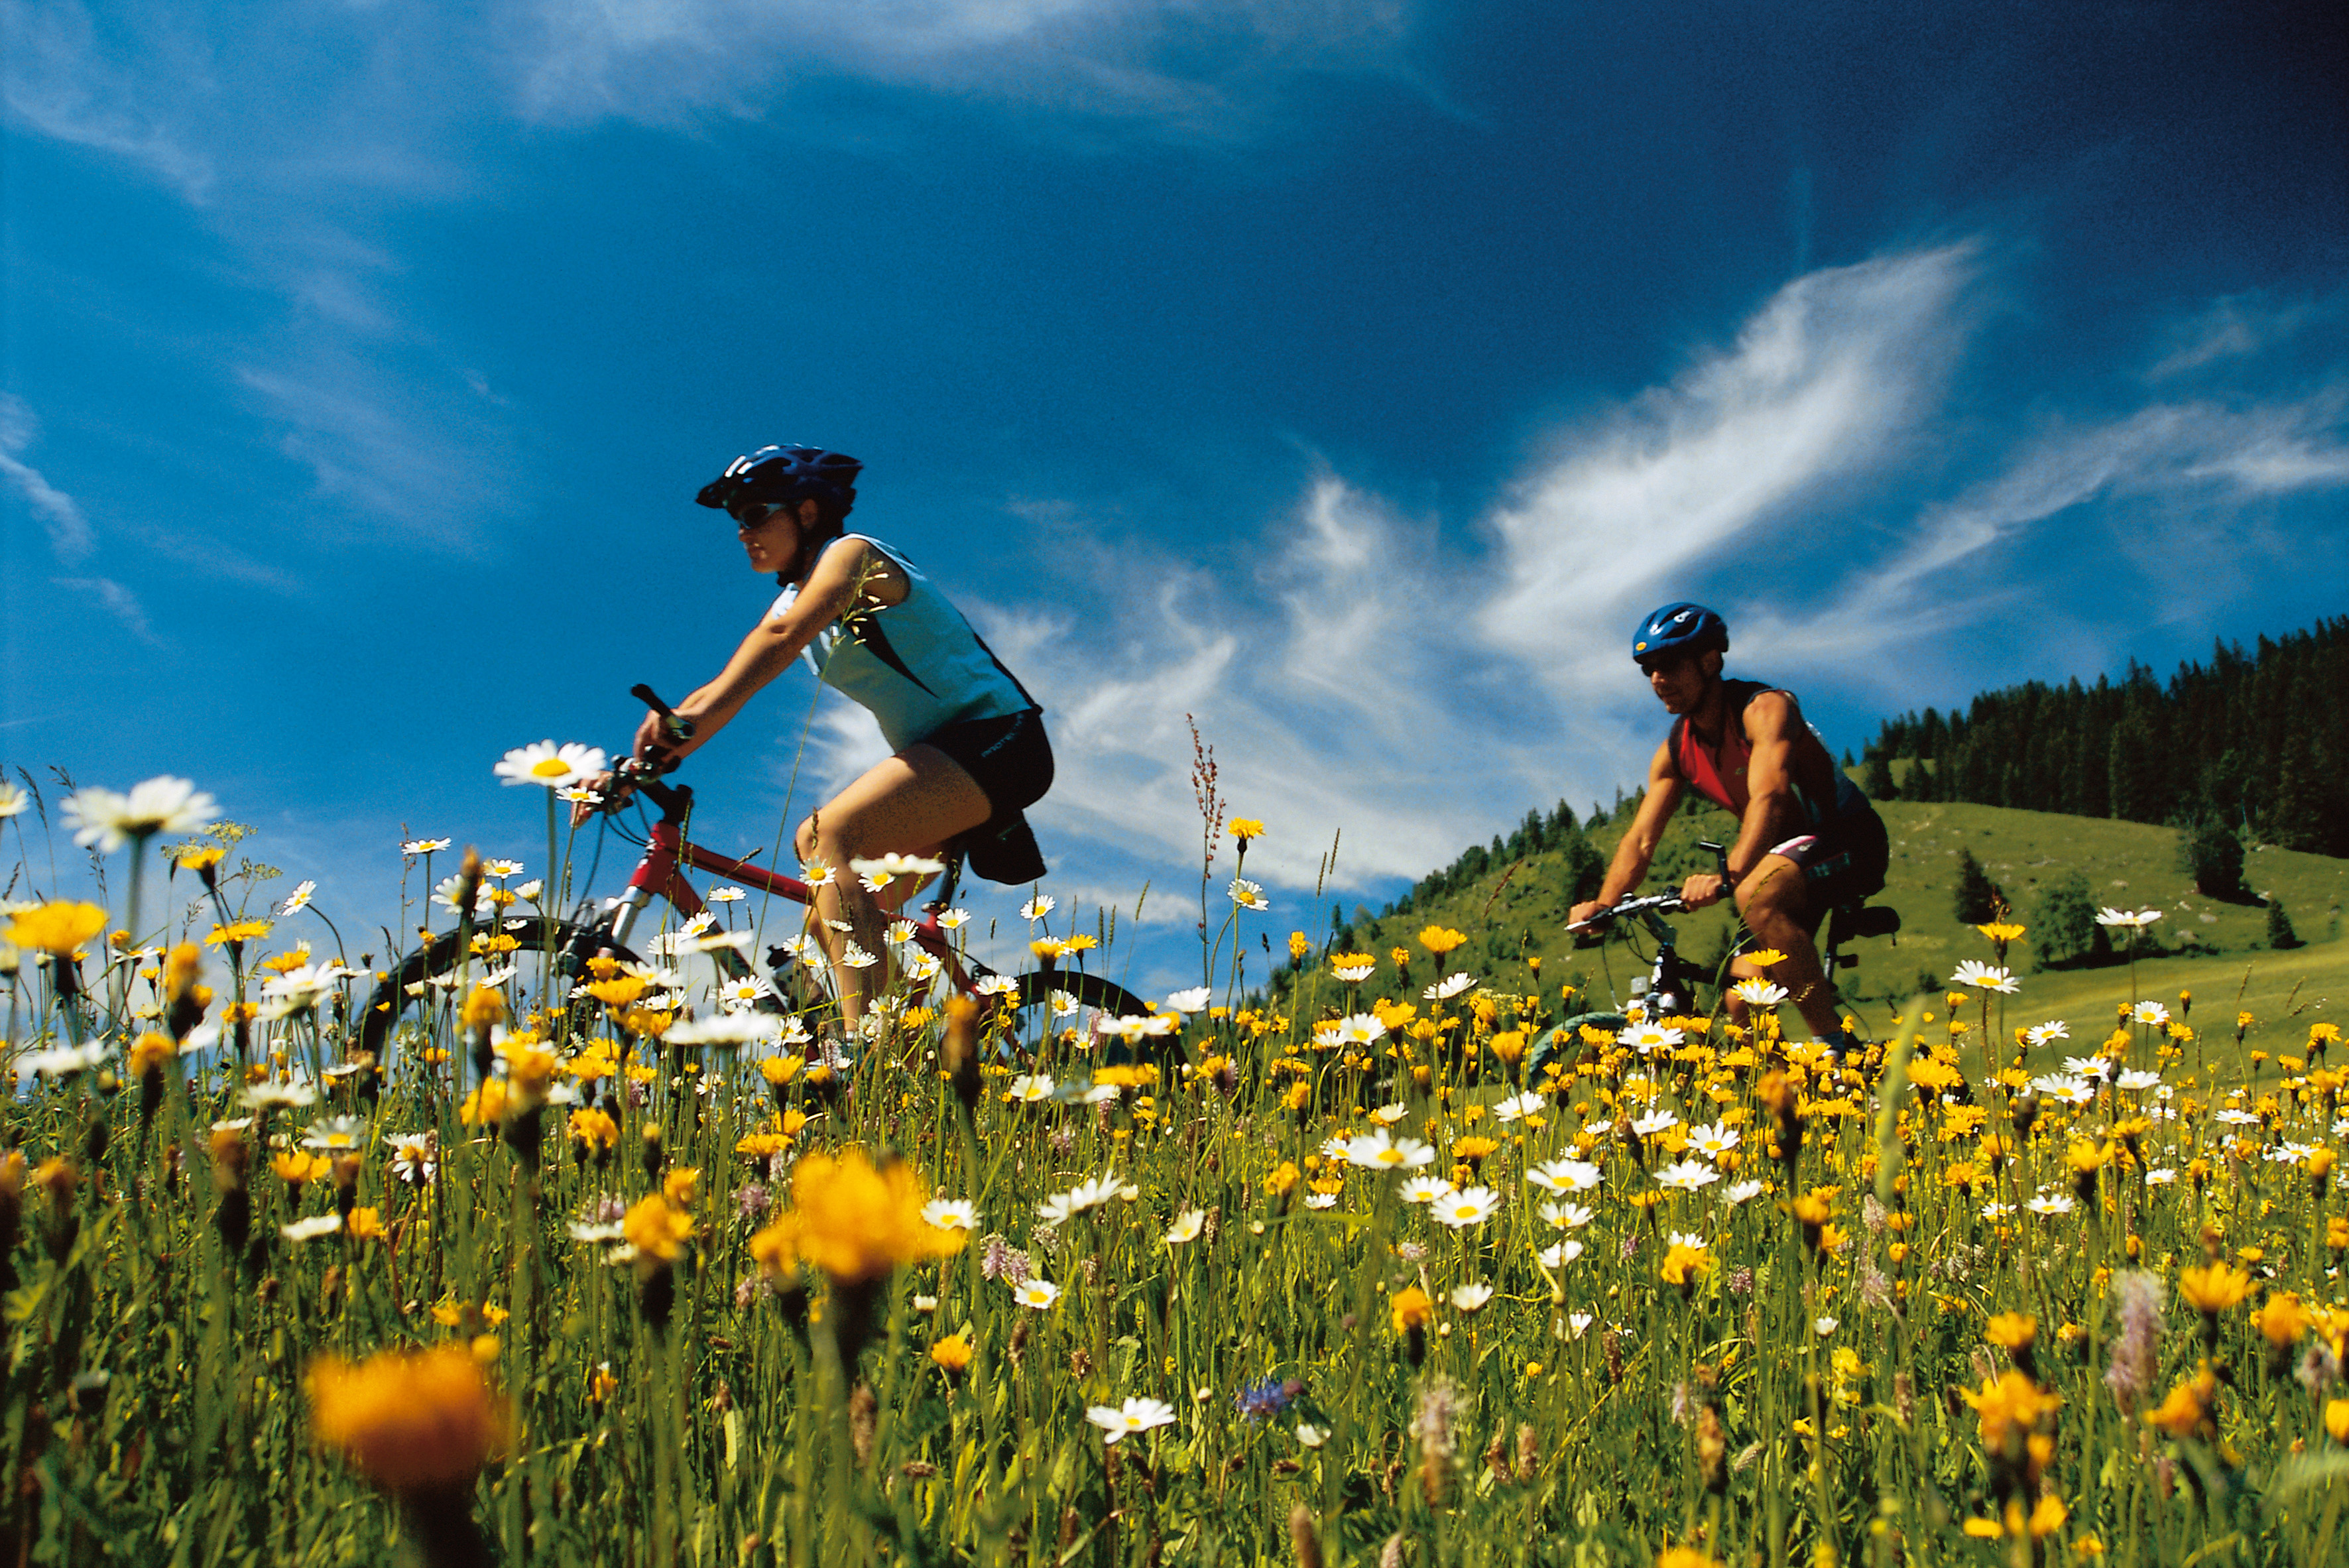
409,1420
56,928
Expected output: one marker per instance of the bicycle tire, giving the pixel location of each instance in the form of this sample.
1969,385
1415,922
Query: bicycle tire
1090,990
1570,1030
532,934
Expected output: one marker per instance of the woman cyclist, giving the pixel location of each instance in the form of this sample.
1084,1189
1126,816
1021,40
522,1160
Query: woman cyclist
970,752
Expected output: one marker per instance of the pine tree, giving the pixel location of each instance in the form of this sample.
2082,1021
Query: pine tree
1585,869
2279,932
1979,900
1879,783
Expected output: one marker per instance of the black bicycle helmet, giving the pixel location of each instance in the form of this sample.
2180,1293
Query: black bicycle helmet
788,475
1676,626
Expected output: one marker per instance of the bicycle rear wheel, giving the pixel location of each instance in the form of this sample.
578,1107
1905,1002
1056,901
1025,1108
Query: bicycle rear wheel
547,956
1090,990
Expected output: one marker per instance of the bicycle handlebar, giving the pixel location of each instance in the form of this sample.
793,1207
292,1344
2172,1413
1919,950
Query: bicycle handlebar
674,726
1659,902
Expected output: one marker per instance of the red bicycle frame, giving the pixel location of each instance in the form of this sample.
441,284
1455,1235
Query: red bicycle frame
660,874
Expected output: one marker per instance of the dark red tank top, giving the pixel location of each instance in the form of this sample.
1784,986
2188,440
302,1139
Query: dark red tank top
1720,776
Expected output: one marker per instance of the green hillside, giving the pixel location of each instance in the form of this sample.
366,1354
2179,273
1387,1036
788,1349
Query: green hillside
1515,908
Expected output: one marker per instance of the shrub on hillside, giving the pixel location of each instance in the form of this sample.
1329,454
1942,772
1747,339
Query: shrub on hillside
2211,853
2063,931
2279,932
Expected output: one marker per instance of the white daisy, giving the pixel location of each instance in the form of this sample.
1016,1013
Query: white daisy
159,805
1444,990
1424,1190
1563,1176
1465,1210
1989,978
554,766
1687,1176
951,1214
1380,1151
1134,1415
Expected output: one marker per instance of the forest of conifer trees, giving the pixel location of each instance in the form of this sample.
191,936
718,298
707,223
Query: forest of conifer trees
2256,742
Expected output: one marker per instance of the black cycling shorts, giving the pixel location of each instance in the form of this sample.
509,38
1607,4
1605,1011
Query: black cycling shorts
1844,861
1009,757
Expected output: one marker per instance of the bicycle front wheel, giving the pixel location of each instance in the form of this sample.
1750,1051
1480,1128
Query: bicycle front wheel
546,957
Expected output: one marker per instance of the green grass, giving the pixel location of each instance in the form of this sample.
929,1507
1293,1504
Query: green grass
1337,1375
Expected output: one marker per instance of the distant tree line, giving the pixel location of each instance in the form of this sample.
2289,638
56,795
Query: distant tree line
2255,743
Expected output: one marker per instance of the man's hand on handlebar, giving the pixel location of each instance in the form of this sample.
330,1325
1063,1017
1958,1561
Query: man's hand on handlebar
1581,916
1703,889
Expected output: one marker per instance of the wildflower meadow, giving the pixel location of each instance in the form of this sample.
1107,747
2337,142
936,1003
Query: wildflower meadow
625,1261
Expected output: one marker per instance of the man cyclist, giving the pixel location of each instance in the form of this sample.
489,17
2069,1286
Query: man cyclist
970,754
1808,839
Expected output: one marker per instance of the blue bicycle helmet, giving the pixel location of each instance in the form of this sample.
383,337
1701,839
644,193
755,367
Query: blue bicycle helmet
788,475
1676,626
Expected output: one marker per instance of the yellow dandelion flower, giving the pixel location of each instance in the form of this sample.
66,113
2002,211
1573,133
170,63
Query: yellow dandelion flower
56,928
408,1421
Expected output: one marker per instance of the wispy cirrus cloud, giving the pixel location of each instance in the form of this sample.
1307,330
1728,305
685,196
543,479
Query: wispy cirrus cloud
117,601
71,540
69,534
2209,461
1819,390
66,79
1194,70
2235,327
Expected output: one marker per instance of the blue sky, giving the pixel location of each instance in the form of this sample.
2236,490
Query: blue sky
1348,375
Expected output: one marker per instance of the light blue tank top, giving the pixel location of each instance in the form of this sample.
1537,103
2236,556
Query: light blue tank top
916,666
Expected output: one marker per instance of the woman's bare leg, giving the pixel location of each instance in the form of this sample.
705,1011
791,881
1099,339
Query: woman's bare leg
909,804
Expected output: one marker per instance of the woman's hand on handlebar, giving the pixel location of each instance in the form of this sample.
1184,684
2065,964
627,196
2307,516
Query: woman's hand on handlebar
612,789
655,747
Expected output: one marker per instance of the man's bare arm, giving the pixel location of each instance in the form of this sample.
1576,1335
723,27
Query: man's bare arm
1773,810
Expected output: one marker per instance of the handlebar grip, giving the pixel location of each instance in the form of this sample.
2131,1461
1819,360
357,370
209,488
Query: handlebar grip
675,727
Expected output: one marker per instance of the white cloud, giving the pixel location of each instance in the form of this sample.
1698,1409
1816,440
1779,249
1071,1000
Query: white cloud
61,515
58,78
116,601
1822,385
1102,60
2231,328
389,440
1341,692
2212,457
